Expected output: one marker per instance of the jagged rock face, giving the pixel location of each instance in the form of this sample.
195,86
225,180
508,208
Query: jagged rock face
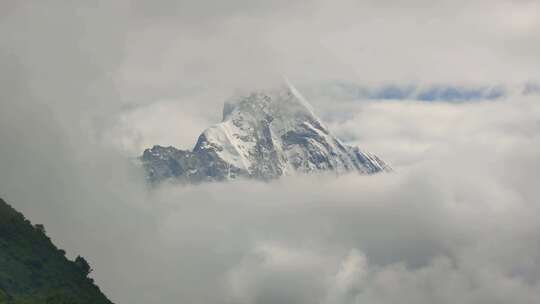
264,135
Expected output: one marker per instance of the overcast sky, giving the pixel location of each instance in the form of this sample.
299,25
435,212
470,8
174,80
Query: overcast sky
85,87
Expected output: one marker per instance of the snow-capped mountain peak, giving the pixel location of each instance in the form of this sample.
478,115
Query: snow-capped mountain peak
263,135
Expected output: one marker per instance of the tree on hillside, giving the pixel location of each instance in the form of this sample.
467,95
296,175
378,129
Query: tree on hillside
83,265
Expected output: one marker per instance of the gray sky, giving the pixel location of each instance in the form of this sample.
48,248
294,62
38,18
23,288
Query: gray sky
84,88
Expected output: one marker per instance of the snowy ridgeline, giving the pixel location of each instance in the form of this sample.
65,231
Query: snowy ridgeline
264,135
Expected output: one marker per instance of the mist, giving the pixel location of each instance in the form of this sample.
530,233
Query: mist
85,88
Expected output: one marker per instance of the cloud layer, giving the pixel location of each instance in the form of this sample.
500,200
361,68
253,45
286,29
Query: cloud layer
457,221
84,88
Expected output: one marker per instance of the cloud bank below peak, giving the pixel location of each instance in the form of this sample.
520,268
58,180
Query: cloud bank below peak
457,221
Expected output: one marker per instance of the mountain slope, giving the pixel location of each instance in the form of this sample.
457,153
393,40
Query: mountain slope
264,135
33,270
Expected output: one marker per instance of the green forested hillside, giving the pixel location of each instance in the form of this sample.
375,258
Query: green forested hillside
33,270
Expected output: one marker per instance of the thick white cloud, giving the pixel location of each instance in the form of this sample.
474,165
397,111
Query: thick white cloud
456,222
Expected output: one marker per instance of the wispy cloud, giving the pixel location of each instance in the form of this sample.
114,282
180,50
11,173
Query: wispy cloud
84,87
437,92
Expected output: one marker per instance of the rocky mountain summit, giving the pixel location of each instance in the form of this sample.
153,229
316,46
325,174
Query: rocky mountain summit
264,135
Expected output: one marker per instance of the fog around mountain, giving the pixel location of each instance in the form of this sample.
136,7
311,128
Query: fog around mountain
86,87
